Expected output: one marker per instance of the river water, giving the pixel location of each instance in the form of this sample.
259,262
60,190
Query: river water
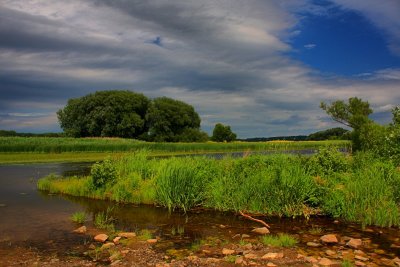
37,219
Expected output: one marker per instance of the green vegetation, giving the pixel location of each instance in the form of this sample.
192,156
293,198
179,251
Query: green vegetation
347,263
145,234
104,220
105,113
62,145
360,188
223,133
172,120
330,134
281,240
79,217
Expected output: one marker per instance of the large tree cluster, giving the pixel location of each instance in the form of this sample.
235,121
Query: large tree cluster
117,113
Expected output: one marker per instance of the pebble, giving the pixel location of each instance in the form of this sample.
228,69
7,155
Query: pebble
80,230
107,245
354,243
127,234
152,241
325,262
251,256
116,239
361,258
313,244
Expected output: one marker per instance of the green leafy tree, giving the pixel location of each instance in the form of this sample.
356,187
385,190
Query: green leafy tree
113,113
223,133
353,114
330,134
172,120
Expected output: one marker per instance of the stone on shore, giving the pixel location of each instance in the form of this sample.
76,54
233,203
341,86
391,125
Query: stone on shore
101,238
329,239
261,231
226,251
80,230
354,243
127,234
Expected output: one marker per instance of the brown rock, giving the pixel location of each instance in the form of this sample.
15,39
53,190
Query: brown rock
226,251
330,252
396,261
245,236
261,230
313,244
354,243
116,239
325,262
361,258
251,256
239,260
152,241
127,234
329,239
270,264
359,263
101,238
269,256
311,259
80,230
107,245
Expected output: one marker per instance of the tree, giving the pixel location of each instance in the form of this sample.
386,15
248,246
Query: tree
172,120
353,114
222,133
333,133
112,113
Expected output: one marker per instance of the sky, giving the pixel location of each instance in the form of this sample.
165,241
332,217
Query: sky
260,66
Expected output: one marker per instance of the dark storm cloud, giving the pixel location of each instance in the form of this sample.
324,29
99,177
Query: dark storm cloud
227,58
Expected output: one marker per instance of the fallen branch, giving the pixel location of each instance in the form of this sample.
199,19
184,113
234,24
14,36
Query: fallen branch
254,219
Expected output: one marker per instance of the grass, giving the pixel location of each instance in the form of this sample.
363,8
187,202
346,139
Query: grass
145,234
347,263
281,240
79,217
104,220
362,189
51,149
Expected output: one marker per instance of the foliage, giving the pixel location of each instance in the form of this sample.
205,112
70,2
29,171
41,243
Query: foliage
180,184
330,134
223,133
327,161
104,220
363,188
62,145
353,114
168,119
105,113
79,217
281,240
103,173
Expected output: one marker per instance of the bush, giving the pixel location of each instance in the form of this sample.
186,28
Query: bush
327,161
103,173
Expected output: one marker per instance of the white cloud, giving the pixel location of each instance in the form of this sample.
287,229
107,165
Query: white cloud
310,46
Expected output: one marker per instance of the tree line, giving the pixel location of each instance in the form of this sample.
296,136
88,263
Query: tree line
123,113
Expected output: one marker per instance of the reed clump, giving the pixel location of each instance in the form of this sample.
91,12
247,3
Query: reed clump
359,188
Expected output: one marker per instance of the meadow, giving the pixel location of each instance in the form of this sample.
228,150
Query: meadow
358,188
51,149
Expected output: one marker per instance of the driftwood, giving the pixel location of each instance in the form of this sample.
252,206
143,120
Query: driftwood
254,219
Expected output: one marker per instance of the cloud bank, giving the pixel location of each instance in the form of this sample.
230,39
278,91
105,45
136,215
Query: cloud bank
229,59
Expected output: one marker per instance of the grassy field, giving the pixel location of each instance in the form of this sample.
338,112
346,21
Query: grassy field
359,188
47,149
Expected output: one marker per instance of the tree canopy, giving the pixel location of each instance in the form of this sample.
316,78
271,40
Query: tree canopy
333,133
172,120
352,114
113,113
223,133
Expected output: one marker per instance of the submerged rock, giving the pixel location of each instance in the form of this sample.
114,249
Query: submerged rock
80,230
261,230
329,239
354,243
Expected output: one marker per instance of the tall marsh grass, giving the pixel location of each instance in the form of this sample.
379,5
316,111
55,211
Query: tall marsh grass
283,185
64,144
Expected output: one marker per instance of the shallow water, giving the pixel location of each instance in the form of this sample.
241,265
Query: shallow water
37,219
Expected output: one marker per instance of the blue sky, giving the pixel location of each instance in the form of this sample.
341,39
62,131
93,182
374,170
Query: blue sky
261,66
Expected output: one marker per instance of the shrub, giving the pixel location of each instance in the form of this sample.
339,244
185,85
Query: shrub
103,173
327,161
